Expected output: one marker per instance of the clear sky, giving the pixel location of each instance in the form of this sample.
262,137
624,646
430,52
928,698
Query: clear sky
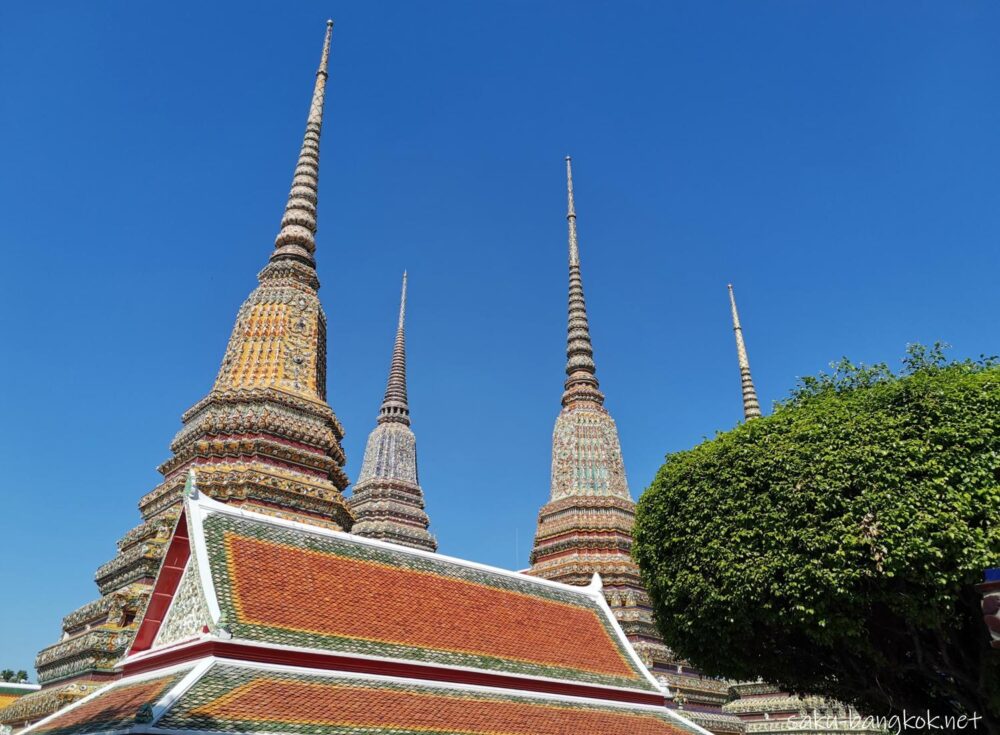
838,162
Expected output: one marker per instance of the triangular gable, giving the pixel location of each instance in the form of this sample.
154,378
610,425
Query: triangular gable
175,561
182,604
188,615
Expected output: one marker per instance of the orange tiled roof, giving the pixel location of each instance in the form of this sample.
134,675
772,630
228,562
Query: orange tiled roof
294,586
233,698
240,698
112,708
229,697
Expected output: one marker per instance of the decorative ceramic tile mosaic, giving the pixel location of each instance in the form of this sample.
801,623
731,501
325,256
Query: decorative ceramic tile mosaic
292,587
237,700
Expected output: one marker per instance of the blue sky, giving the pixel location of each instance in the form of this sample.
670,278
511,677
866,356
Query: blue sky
836,161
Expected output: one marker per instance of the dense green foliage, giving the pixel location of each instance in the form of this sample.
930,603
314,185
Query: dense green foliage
10,676
833,547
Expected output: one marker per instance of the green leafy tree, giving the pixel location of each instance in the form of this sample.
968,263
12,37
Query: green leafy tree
8,675
833,547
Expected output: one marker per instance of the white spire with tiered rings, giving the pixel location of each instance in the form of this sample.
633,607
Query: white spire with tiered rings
751,406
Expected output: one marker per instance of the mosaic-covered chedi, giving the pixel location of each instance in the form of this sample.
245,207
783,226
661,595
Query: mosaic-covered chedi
263,624
264,437
388,502
262,615
586,527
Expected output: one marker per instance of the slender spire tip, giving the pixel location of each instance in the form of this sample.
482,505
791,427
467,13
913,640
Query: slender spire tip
329,23
581,383
402,304
574,254
751,405
296,240
395,406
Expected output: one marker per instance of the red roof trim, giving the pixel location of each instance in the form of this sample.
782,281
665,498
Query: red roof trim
334,662
167,581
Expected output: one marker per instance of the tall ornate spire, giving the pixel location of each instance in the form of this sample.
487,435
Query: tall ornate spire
280,336
297,238
264,436
394,405
388,502
581,372
751,406
586,527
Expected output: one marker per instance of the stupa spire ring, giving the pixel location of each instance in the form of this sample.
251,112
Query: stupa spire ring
751,406
581,371
395,406
297,238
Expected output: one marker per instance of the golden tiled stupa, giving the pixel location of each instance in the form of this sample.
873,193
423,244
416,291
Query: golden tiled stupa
263,437
266,439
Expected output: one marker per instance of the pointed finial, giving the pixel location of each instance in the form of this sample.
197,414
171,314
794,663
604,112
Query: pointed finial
596,583
581,381
574,249
402,304
395,406
751,406
297,239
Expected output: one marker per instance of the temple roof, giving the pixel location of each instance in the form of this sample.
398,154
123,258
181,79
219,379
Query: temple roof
223,697
255,579
9,691
263,624
17,687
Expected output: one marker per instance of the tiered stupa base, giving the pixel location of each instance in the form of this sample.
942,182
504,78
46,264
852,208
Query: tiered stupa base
766,710
579,536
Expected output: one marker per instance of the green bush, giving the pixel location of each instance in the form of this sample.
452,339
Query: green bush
833,546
